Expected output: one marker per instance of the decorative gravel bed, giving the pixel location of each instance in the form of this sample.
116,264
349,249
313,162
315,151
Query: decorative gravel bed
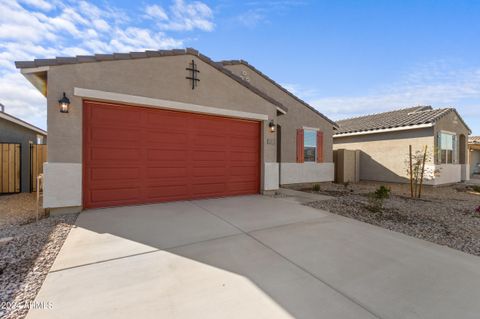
27,255
18,209
445,215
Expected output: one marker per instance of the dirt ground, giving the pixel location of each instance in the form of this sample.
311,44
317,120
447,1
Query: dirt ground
18,209
444,215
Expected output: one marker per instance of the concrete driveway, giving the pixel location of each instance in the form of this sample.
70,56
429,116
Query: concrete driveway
251,257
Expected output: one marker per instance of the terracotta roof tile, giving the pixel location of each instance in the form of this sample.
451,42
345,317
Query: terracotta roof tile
474,139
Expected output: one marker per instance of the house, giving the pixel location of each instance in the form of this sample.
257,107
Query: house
17,135
166,125
474,153
383,141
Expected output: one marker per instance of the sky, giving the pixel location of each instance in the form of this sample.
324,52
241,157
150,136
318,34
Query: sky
345,57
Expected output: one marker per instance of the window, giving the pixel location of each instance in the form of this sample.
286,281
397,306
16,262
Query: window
446,144
310,146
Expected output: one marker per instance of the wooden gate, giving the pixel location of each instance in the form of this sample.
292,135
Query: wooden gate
10,168
38,156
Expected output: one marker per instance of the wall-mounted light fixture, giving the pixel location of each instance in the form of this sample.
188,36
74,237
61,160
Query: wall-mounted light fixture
271,125
64,104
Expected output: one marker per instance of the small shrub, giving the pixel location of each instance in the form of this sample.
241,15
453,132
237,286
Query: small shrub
316,188
375,204
346,184
382,192
478,210
476,188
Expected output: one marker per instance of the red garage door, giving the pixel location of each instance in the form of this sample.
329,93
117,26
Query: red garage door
136,155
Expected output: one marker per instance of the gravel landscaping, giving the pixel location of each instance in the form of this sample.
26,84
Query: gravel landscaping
27,251
444,215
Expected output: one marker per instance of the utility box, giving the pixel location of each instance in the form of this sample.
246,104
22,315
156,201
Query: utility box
347,166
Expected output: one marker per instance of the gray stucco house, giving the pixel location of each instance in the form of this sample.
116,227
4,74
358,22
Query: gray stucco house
16,131
168,125
383,140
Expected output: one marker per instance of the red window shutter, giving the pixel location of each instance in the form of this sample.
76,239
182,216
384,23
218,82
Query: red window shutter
319,147
299,145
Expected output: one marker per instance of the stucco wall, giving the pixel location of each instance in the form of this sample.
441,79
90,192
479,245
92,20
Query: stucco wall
384,156
298,115
452,123
158,77
475,161
14,133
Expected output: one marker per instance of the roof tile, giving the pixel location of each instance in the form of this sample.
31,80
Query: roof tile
398,118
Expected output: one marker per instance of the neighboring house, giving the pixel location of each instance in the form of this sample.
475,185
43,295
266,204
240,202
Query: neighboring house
15,131
474,151
168,125
384,140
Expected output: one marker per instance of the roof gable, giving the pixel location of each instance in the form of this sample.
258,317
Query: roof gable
20,122
242,62
143,55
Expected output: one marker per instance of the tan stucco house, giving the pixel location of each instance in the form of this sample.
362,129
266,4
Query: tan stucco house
165,125
383,140
474,155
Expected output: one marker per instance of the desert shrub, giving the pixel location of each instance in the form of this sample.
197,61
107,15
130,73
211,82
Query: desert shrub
316,187
375,204
476,188
346,184
478,209
382,192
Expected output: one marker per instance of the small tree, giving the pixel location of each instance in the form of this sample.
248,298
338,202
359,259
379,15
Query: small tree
416,170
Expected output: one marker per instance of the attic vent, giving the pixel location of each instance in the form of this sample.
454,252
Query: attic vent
245,76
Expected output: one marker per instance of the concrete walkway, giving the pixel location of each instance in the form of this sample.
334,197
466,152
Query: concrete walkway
251,257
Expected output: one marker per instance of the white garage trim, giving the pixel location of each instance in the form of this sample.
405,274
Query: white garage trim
164,104
271,178
63,185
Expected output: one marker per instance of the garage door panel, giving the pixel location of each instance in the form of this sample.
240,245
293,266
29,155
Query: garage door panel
166,120
240,187
249,171
167,192
115,154
244,157
167,172
119,134
203,140
161,138
114,195
167,154
160,155
114,173
115,116
210,189
209,171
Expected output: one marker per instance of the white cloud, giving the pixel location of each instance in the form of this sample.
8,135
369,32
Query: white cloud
439,84
182,16
258,12
156,12
39,29
40,4
251,18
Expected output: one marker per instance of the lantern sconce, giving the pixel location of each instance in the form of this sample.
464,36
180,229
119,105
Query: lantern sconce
271,125
64,104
